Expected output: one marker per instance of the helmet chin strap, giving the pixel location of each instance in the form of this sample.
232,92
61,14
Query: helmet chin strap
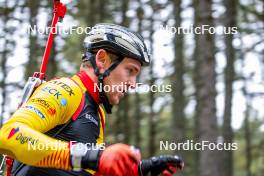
103,98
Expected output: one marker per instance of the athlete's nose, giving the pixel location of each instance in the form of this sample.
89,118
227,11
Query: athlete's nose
132,82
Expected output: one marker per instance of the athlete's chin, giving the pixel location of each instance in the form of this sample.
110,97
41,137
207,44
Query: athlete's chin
115,100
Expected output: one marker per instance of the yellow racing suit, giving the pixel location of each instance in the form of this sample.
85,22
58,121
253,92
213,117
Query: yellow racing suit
37,136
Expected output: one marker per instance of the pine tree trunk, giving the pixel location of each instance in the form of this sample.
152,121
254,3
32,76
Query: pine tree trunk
125,20
205,81
137,125
92,13
227,155
247,131
178,120
126,120
123,118
152,123
198,104
248,142
118,125
137,112
126,115
102,6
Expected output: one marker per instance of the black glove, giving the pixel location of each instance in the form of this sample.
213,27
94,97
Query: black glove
165,164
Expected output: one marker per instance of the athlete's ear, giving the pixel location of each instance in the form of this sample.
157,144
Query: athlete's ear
102,60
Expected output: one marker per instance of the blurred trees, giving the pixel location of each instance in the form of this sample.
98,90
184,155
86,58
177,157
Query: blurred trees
200,68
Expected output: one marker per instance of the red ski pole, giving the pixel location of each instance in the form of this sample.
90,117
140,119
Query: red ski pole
59,11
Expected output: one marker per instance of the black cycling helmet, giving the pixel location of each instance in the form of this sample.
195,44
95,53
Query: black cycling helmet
119,40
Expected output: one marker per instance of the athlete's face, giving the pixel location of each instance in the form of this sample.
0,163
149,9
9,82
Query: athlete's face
121,79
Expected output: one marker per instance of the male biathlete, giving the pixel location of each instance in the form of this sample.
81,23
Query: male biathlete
59,131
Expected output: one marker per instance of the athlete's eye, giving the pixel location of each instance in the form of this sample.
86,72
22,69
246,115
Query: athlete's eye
130,71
